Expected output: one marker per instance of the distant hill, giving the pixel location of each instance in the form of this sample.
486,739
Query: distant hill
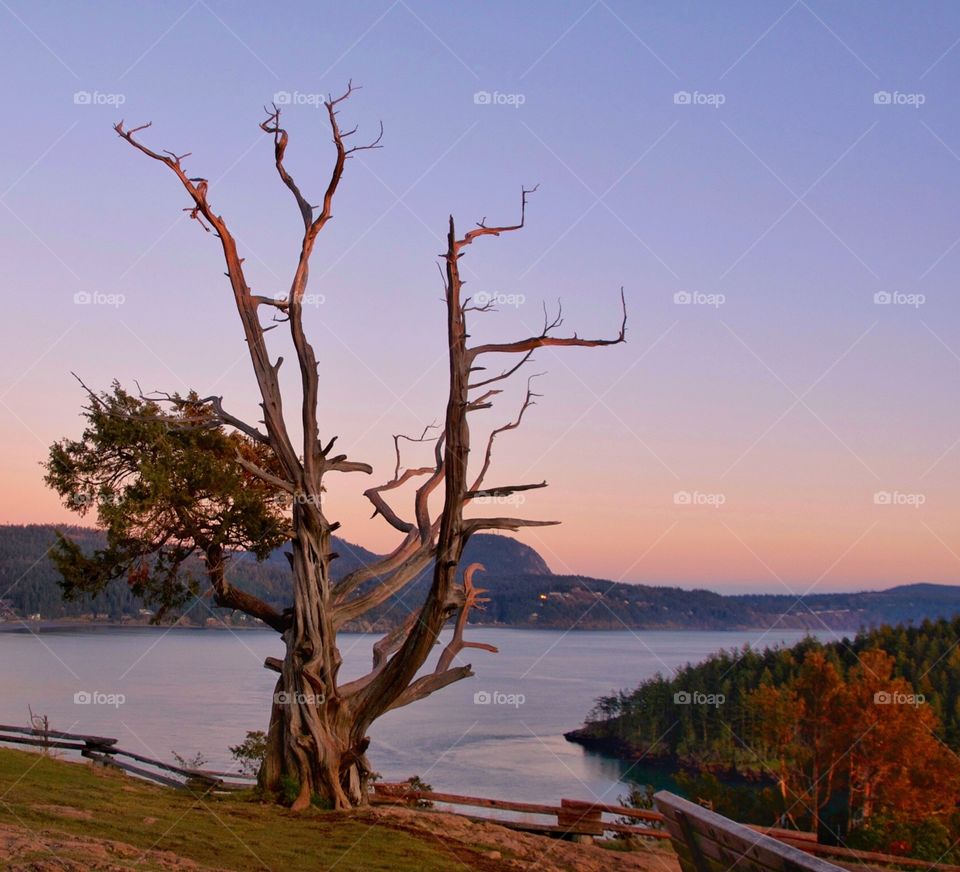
523,592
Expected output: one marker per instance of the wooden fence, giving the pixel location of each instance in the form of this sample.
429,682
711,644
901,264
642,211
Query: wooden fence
104,750
576,819
573,817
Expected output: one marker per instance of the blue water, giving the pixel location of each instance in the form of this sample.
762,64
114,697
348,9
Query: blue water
199,691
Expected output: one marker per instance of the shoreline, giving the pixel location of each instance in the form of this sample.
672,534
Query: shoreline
669,764
23,625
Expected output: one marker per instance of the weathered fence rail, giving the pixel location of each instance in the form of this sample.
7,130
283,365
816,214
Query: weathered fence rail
708,842
586,819
104,751
571,819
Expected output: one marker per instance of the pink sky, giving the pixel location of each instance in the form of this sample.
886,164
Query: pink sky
782,409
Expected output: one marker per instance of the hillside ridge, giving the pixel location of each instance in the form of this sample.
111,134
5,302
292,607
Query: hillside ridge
522,590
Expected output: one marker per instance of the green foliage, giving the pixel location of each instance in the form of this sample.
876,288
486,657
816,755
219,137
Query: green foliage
251,752
640,797
164,486
195,761
746,803
930,839
289,789
415,782
23,560
648,720
794,714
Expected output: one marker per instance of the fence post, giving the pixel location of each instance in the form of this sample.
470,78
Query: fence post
581,820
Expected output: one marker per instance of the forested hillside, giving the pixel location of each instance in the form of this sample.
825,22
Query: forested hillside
31,581
521,588
661,719
856,739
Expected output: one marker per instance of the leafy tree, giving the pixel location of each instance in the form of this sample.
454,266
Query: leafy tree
166,487
251,752
897,765
800,721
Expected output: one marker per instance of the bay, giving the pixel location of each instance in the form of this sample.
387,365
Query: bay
499,734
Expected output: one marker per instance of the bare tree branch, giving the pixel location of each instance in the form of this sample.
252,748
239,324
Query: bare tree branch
473,525
544,339
484,230
443,675
264,369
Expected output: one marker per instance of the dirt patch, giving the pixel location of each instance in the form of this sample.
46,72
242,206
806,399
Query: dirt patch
25,850
496,847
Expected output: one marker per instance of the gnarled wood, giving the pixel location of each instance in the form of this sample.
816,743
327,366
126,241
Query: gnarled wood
317,735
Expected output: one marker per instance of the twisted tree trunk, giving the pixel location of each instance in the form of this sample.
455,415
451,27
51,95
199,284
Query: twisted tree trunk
317,738
311,747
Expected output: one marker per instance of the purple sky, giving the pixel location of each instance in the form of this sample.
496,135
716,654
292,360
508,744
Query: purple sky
775,165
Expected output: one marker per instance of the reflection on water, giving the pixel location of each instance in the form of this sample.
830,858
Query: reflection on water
499,734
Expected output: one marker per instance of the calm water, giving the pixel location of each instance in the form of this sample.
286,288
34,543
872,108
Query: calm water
196,691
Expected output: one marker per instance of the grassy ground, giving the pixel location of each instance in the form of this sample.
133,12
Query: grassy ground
41,795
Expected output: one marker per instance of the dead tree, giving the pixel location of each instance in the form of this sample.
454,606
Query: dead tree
318,725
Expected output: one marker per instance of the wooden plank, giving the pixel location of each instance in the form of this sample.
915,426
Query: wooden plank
623,811
107,744
399,790
645,832
721,857
395,793
30,731
197,774
473,801
135,770
213,773
42,743
733,839
783,833
806,842
697,855
867,856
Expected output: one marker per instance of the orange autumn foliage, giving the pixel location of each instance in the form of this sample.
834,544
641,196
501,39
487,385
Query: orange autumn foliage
868,734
